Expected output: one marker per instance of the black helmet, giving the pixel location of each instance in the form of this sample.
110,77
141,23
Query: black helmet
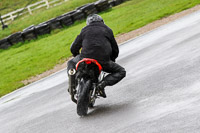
94,18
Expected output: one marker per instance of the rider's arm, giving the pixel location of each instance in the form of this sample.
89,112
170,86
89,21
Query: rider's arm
76,46
115,49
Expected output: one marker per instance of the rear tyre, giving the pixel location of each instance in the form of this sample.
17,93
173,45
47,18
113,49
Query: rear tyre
92,100
83,97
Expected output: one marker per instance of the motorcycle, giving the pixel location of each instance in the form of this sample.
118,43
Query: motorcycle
84,92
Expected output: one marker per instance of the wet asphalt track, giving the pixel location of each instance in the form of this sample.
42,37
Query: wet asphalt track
161,93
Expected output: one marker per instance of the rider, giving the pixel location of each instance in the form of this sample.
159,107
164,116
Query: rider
97,42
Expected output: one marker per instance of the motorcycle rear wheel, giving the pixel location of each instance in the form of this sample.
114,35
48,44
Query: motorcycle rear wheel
83,97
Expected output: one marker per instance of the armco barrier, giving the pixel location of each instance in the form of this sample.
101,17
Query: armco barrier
102,5
112,3
66,19
117,2
76,15
88,9
54,24
42,29
4,43
15,38
29,34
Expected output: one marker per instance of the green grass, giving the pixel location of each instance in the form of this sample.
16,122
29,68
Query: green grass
41,15
22,61
12,5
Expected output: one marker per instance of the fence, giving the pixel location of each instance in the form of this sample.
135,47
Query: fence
30,8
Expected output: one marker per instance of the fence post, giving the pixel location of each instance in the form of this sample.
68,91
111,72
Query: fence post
29,10
47,3
3,25
11,16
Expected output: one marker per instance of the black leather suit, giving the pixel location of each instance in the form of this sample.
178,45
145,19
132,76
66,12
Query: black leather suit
97,41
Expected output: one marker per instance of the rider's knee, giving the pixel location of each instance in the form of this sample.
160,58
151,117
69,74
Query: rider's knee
70,65
69,62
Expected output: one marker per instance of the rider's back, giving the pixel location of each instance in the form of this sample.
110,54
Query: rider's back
96,41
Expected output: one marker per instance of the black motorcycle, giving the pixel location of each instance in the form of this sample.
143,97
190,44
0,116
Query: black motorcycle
84,92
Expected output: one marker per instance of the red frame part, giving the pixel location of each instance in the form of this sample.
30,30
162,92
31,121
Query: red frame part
89,61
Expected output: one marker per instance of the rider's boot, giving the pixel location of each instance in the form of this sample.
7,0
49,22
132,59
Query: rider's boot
101,89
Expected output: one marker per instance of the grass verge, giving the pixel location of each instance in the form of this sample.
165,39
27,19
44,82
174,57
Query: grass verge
41,15
23,61
12,5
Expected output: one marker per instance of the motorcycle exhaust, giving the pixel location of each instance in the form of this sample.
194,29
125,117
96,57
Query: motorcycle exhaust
72,83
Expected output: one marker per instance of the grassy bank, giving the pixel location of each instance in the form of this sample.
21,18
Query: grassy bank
23,61
41,15
7,6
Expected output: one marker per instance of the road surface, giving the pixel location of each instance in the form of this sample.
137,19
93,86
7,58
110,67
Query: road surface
160,94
